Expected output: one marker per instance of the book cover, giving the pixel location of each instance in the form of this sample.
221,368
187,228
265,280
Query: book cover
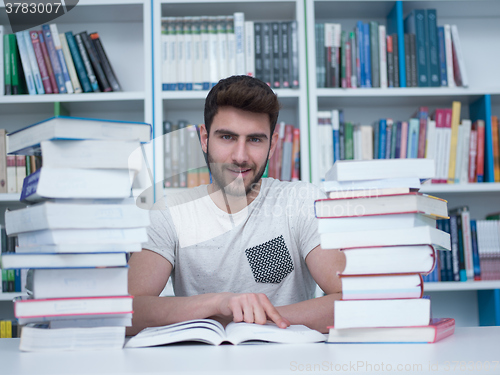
25,61
96,63
259,68
78,61
106,65
267,70
276,55
285,54
443,74
395,26
415,23
461,77
433,48
390,62
374,54
64,67
188,52
383,55
249,49
449,56
54,59
70,64
239,37
367,55
293,49
86,62
455,121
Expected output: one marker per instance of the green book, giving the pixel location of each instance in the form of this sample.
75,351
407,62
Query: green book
11,280
14,65
394,131
349,144
266,171
4,280
60,110
7,63
343,59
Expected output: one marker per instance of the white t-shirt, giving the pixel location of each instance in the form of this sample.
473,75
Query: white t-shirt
260,249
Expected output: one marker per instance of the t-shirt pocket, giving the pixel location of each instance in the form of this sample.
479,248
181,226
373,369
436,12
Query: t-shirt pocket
271,261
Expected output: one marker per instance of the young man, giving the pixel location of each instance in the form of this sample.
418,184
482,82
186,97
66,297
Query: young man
242,248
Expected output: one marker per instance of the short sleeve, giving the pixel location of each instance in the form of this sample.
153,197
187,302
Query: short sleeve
162,237
306,223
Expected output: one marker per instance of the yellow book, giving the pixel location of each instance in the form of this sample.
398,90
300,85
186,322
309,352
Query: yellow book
8,329
455,121
2,329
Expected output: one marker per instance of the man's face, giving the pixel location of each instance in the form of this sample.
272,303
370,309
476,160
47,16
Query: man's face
238,149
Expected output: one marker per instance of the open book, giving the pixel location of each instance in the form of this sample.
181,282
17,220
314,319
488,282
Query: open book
212,332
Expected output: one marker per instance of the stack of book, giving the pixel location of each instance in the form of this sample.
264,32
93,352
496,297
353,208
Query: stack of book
76,232
387,231
46,62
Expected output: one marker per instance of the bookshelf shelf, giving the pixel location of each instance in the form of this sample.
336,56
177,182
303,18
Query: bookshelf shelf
9,296
87,97
461,286
193,95
13,197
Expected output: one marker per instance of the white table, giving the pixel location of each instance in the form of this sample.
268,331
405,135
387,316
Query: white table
478,344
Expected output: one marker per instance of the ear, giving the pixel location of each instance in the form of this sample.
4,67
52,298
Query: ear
203,137
274,142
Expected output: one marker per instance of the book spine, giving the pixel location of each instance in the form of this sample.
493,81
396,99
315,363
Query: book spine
397,151
60,55
259,69
175,152
388,138
367,55
394,140
374,54
348,62
96,64
457,47
343,59
249,49
455,248
6,71
20,172
472,156
442,254
449,56
106,65
167,154
188,52
276,55
231,46
86,63
296,155
183,157
54,59
240,43
413,62
360,53
455,120
266,53
335,134
342,136
475,251
206,51
433,48
3,160
293,49
180,53
496,148
33,62
2,74
23,53
404,139
222,47
464,172
443,75
197,54
390,62
318,30
461,250
382,136
286,160
354,60
70,65
11,174
44,74
336,35
349,142
14,64
397,63
78,61
408,59
467,241
165,68
480,151
328,45
383,56
285,54
422,134
421,48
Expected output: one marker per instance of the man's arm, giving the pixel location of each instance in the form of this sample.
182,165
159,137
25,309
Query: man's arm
317,313
148,275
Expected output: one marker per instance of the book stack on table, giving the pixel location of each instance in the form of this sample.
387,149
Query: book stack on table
76,232
387,231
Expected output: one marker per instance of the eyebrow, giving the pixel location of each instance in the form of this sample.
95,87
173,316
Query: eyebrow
229,132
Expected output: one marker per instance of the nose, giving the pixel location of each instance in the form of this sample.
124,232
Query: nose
240,152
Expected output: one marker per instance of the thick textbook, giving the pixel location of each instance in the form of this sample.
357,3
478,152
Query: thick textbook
382,313
393,286
81,248
40,338
27,260
26,141
209,331
375,184
355,170
389,260
436,330
62,215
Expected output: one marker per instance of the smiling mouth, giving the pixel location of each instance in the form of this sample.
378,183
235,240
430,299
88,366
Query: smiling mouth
240,171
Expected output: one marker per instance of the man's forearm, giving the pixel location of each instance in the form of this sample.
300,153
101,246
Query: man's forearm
151,311
316,313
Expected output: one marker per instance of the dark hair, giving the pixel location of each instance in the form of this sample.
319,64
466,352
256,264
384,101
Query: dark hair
245,93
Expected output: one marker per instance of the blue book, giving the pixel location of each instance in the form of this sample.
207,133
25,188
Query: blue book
25,61
388,140
415,23
443,73
17,281
336,135
382,136
77,60
54,60
432,48
397,153
395,26
413,132
475,250
394,140
361,53
367,55
481,110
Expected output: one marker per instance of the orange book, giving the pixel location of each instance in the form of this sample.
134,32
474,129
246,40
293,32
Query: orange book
455,121
296,155
496,148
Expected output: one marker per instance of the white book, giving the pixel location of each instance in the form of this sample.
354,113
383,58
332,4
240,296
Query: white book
64,321
125,321
75,236
357,143
382,313
240,41
383,183
172,54
460,153
25,62
99,154
188,52
2,83
249,49
20,172
231,47
206,53
446,135
52,215
212,332
383,55
80,282
213,51
60,55
449,56
28,139
222,51
464,173
36,339
381,286
460,55
33,62
348,170
180,55
11,174
81,248
197,54
432,143
366,133
165,57
70,64
63,261
325,137
77,183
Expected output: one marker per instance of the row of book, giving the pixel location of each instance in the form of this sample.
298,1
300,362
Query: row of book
46,62
8,329
75,233
185,163
389,239
456,145
475,246
369,56
199,51
13,280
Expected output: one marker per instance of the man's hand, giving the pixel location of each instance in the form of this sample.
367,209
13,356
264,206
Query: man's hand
250,308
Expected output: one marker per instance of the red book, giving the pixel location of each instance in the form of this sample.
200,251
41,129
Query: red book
273,169
404,139
472,154
348,70
422,115
479,125
296,155
438,329
41,62
48,65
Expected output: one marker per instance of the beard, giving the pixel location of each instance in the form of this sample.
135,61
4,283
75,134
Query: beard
234,186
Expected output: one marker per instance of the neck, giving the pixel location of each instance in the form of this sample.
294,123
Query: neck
232,203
